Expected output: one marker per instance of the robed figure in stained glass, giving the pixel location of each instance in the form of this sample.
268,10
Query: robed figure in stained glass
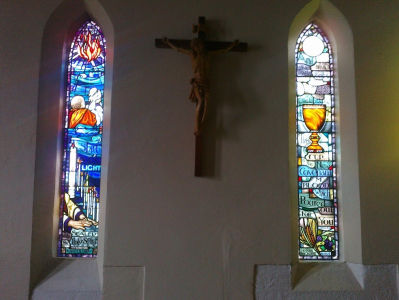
81,165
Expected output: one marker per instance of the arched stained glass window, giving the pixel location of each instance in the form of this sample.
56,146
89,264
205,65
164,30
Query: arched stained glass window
82,143
316,146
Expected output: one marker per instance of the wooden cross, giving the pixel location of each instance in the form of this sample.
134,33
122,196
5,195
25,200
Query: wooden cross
200,52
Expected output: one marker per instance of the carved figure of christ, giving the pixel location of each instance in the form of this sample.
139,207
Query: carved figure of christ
200,84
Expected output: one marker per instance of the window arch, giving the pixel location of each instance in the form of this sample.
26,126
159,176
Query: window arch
82,144
316,146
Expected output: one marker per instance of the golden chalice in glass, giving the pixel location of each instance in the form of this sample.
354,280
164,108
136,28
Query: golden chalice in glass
314,116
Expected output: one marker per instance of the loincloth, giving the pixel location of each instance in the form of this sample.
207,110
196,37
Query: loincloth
202,86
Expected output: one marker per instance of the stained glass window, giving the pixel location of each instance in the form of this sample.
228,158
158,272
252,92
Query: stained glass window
316,146
82,143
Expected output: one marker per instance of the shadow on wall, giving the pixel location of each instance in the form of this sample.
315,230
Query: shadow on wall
57,37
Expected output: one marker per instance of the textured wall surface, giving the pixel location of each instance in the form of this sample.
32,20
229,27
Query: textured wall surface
274,282
172,235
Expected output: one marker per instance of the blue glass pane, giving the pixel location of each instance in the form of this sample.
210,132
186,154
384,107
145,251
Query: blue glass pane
83,128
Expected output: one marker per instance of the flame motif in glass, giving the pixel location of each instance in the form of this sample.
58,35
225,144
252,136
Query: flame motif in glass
82,144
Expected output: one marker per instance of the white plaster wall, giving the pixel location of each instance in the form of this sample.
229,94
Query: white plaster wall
378,282
196,238
21,27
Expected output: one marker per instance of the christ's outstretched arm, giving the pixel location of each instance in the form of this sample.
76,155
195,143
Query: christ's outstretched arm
174,47
229,47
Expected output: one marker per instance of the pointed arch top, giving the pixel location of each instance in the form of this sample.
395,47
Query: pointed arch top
316,147
332,22
58,36
80,189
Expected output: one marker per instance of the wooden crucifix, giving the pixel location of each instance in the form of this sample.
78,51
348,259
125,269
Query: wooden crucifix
200,52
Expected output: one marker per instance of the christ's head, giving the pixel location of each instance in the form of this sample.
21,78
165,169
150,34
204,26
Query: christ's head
197,45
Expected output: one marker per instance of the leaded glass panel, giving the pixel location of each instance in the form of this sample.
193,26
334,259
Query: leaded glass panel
316,146
82,144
